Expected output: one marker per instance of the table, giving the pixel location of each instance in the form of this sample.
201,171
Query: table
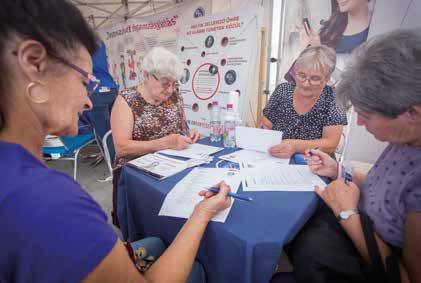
244,249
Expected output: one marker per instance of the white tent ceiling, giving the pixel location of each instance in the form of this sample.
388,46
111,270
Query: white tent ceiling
101,13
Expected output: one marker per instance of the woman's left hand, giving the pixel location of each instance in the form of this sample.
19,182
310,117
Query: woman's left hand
340,196
283,150
194,135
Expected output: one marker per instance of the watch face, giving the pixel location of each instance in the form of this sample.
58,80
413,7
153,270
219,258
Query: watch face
344,214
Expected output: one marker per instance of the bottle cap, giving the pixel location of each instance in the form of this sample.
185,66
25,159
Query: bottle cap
229,106
215,103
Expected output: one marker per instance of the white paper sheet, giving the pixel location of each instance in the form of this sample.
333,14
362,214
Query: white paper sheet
280,178
181,200
52,141
252,159
256,139
158,166
195,150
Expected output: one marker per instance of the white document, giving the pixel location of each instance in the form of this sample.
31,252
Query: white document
281,178
181,200
52,141
252,159
256,139
195,150
158,166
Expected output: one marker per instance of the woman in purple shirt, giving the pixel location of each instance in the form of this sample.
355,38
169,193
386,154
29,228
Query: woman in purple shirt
51,229
383,83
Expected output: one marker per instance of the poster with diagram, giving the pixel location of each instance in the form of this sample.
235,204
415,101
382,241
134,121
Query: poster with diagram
128,42
219,53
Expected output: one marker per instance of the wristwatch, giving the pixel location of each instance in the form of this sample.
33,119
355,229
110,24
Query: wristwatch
346,214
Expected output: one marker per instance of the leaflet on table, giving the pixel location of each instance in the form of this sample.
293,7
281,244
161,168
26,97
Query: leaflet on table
256,139
280,178
158,166
52,141
252,159
182,199
195,150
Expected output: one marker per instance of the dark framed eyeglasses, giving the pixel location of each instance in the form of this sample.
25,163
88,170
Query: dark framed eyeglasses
313,80
92,83
165,85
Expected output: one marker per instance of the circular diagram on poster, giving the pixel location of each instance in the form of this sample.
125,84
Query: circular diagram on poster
230,77
186,76
204,84
209,41
213,69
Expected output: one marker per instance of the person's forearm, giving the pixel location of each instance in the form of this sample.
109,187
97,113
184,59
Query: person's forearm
324,145
131,148
175,264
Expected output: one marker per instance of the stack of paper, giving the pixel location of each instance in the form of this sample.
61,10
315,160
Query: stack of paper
158,166
195,150
252,159
182,199
280,178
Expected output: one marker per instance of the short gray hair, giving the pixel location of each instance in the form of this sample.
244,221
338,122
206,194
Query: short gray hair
163,63
384,76
318,57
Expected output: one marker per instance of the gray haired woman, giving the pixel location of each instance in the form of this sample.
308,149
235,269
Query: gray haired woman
305,111
150,117
384,86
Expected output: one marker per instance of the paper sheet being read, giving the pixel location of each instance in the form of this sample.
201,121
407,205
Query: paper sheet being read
256,139
181,200
195,150
281,178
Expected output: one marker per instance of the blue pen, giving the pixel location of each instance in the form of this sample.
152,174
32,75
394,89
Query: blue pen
234,195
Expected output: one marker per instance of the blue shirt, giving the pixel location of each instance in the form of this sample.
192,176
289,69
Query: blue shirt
51,229
347,43
100,68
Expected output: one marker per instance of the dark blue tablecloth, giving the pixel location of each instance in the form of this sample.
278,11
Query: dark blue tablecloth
246,248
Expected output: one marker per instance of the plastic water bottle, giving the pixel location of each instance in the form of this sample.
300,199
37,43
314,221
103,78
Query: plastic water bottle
229,127
215,123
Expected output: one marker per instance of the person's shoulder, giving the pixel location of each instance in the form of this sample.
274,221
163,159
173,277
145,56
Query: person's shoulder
129,93
283,89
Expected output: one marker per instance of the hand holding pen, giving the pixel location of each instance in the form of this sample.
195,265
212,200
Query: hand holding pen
321,163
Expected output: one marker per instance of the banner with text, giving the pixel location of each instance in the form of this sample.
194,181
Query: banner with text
128,42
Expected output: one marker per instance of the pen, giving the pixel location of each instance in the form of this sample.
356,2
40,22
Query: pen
316,148
234,195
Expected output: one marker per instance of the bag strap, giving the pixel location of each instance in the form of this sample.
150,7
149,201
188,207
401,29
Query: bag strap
377,270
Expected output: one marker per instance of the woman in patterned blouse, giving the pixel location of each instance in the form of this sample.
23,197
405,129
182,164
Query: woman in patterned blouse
150,117
305,111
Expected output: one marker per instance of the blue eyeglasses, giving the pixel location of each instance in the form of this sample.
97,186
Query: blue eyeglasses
92,83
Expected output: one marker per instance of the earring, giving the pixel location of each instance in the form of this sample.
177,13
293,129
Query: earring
34,92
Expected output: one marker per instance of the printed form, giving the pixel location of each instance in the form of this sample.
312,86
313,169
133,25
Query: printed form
182,199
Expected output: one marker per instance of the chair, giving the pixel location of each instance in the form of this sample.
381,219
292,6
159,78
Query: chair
69,148
109,151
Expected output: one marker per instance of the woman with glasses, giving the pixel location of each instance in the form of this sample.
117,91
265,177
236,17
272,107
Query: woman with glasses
51,228
305,111
150,117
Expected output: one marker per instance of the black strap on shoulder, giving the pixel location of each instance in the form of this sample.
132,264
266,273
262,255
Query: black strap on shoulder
377,268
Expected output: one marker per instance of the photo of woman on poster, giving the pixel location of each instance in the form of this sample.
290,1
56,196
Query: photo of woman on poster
345,29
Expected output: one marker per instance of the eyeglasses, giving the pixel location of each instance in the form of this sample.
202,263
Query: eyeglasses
313,80
165,85
92,83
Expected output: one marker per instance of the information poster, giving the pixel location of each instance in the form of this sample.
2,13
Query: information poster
219,53
128,42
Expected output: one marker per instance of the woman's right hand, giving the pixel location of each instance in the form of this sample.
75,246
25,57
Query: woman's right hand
177,141
321,163
308,36
213,202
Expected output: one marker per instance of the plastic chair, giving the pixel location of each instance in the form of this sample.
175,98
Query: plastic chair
70,149
109,151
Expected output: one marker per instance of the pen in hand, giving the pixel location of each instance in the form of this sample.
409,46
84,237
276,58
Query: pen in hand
233,195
